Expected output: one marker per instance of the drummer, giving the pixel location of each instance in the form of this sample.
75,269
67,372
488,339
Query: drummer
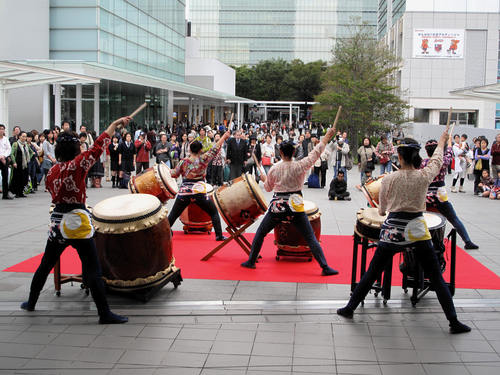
287,179
437,196
71,223
403,195
193,170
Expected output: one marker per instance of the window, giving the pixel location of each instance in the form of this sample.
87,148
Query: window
461,118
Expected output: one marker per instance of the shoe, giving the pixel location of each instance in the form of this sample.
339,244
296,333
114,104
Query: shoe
457,327
461,189
8,197
26,306
248,264
346,312
328,271
330,198
112,318
453,189
471,246
21,196
347,198
220,238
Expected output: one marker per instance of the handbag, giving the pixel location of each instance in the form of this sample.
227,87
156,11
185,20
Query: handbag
313,181
266,160
479,165
348,162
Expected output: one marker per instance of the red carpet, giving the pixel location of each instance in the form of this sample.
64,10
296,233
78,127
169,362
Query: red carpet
225,265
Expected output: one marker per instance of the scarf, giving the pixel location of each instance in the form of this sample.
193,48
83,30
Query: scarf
24,153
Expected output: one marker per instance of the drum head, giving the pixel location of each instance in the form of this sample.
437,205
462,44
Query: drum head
128,213
256,191
167,179
210,188
370,216
434,220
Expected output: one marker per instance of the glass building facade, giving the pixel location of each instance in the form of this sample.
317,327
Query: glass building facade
144,36
240,32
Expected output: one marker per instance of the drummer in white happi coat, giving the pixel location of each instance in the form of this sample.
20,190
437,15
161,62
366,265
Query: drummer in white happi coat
287,179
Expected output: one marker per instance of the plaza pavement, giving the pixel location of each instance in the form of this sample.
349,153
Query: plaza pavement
240,327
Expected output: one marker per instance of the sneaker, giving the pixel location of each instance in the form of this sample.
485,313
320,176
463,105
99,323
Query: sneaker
26,306
461,189
112,318
453,189
346,312
471,246
248,264
347,198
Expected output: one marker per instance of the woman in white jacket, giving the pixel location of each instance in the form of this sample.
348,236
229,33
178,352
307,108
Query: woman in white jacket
340,152
460,168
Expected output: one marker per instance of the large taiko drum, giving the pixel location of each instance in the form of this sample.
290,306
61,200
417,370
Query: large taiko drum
156,181
371,190
290,241
195,219
241,201
369,223
134,243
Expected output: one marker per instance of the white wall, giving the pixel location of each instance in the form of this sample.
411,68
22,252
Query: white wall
486,6
224,77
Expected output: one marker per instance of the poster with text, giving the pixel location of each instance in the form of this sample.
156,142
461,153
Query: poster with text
438,43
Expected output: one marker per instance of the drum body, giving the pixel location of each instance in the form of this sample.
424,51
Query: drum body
156,181
241,201
195,219
133,242
290,241
437,227
371,190
369,223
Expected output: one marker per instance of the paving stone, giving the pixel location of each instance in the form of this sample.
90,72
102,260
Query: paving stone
64,353
235,335
73,340
142,357
191,346
226,347
277,350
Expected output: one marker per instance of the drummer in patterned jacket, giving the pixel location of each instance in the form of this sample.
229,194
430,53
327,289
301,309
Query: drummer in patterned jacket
193,170
403,196
286,179
71,224
437,197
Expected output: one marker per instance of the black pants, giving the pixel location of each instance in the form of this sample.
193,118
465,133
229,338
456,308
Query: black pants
32,167
19,180
141,166
235,170
321,172
217,177
5,179
91,270
301,223
332,194
204,202
425,255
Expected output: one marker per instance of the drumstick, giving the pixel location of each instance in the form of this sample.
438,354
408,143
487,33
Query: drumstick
262,171
452,127
337,117
449,116
142,106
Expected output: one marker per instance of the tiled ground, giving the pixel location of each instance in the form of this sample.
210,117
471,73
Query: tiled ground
231,327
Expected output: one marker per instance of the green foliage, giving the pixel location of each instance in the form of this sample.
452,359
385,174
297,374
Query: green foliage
359,79
280,80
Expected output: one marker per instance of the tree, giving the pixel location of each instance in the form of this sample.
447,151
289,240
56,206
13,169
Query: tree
278,79
359,79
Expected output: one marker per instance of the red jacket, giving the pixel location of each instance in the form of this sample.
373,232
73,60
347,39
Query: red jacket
495,154
142,151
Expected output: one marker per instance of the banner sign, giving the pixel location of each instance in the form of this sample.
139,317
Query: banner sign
438,43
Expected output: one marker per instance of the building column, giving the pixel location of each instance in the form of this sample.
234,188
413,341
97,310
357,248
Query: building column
190,110
96,108
170,108
57,105
78,118
265,112
4,109
290,115
221,114
238,108
46,107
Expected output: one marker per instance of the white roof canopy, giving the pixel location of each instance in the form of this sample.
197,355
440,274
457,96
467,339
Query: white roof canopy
14,75
487,92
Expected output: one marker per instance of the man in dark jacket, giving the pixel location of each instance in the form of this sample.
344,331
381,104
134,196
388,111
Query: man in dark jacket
236,155
338,188
162,150
253,149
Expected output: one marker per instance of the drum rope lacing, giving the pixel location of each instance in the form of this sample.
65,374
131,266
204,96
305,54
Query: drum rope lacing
129,220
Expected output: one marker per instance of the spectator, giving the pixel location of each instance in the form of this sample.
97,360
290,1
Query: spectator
20,155
268,153
126,157
236,155
495,191
340,153
459,164
15,135
5,150
384,151
49,156
142,147
33,165
486,184
366,156
482,157
114,159
321,166
338,188
495,156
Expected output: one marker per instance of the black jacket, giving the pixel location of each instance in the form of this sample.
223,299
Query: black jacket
337,187
257,152
237,153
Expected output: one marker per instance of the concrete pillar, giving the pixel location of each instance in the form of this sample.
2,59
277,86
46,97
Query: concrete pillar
4,110
265,112
190,110
170,108
238,113
290,115
200,112
78,105
96,108
57,105
46,107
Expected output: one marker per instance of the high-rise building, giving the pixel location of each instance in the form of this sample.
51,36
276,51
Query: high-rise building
445,46
107,57
240,32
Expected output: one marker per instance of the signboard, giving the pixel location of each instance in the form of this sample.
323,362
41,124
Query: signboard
438,43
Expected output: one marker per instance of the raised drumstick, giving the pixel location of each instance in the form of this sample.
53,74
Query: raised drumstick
142,106
337,117
449,116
